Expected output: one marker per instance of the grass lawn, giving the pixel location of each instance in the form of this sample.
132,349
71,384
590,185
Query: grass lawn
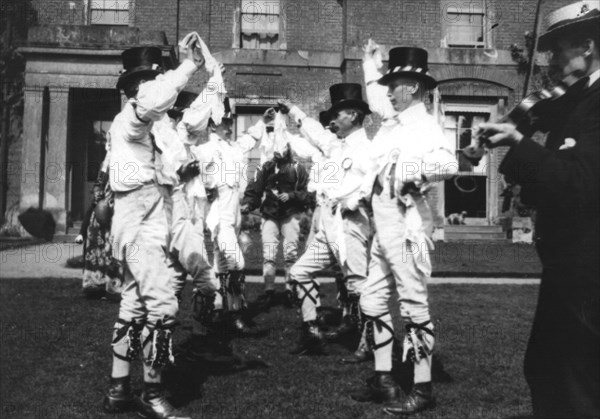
485,259
55,358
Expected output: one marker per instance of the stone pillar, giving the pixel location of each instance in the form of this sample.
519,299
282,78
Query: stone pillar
31,156
55,174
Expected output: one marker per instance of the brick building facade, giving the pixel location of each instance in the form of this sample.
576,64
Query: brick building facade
272,49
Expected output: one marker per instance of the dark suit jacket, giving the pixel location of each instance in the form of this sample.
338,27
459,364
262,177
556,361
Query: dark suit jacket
285,176
564,186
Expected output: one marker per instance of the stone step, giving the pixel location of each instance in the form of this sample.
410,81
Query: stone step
501,236
472,228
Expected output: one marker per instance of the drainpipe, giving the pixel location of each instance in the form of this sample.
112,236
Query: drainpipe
536,27
344,4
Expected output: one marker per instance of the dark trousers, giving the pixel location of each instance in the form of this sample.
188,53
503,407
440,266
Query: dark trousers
562,360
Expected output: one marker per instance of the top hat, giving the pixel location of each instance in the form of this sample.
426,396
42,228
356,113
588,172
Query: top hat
228,114
347,96
183,101
408,62
580,17
140,61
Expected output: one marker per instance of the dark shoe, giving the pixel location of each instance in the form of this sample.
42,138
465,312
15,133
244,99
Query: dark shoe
381,388
419,399
359,356
154,405
311,340
265,301
119,397
289,299
347,327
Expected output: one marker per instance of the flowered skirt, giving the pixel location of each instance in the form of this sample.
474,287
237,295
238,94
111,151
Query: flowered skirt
102,273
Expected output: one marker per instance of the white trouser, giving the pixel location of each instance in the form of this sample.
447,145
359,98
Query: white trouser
323,252
396,262
140,229
403,263
188,247
289,229
228,252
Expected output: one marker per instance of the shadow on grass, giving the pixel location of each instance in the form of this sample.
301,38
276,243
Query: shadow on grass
185,380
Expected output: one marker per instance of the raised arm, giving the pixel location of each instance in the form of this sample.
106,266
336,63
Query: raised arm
310,129
376,93
156,97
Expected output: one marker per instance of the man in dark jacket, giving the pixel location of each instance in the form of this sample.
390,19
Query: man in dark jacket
562,181
280,190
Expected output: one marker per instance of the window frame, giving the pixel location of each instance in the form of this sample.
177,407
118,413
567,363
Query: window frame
478,8
239,34
90,9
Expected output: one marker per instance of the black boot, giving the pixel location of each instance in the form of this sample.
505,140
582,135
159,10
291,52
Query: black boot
419,399
265,301
153,404
351,321
119,397
347,327
362,354
380,388
311,340
289,299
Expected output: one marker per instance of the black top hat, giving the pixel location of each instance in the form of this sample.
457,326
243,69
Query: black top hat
228,114
347,96
324,118
408,62
184,100
581,17
140,61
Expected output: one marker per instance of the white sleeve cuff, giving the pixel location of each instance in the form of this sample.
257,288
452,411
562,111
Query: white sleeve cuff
370,71
187,67
297,115
257,130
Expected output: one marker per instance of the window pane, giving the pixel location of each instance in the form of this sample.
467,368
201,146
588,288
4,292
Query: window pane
109,17
260,7
109,4
260,24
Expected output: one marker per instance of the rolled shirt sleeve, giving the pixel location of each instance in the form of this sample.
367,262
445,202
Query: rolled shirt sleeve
376,93
157,96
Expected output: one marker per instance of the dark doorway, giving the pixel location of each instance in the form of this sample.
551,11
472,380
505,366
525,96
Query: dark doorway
466,193
91,112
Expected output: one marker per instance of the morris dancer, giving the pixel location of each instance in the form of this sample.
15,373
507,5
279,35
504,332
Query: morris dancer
140,230
345,231
409,151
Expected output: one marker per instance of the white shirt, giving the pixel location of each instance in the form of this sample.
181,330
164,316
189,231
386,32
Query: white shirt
412,139
228,159
173,153
133,162
344,166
